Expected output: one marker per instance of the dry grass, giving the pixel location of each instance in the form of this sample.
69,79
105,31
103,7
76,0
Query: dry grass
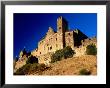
72,66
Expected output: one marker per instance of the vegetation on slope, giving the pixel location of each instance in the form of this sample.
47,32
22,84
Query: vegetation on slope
30,68
32,60
65,64
65,53
91,49
84,72
73,66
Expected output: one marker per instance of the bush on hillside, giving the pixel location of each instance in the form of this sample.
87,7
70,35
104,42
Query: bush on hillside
32,59
57,56
84,72
30,68
67,52
91,49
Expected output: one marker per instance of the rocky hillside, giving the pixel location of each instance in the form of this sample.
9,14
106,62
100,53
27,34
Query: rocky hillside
72,66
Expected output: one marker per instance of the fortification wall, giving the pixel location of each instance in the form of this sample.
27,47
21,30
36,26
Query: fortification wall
81,50
60,40
45,59
89,41
69,41
49,44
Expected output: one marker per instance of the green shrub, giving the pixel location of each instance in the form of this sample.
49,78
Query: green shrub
57,56
32,59
67,52
91,49
84,72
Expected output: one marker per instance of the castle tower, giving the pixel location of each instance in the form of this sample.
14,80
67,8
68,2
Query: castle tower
62,27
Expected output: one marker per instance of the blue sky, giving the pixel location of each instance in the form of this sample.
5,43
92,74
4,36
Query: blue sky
29,28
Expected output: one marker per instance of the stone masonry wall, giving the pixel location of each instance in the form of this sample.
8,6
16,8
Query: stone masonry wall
49,44
81,50
69,41
45,59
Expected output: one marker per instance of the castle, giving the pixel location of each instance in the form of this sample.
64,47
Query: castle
58,40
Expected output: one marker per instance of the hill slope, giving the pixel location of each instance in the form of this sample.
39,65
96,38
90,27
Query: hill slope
72,66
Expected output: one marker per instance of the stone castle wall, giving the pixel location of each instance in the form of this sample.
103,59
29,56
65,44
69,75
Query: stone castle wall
45,59
69,40
81,50
49,44
58,40
88,41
